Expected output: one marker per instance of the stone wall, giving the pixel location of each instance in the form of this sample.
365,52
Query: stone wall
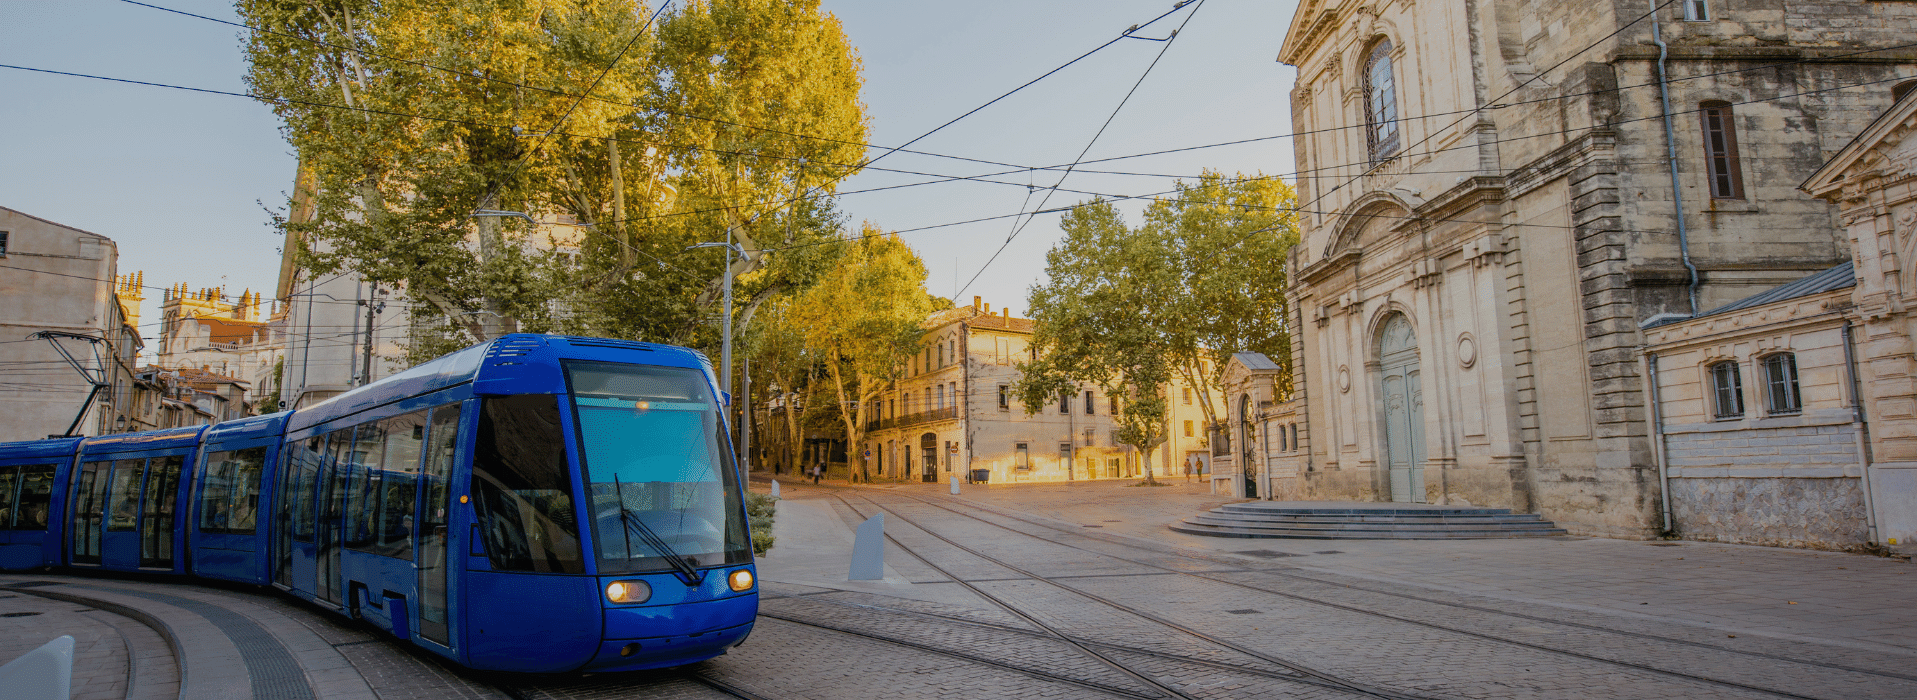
1823,513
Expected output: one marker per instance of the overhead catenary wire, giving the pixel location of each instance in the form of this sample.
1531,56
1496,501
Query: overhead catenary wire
941,179
1168,41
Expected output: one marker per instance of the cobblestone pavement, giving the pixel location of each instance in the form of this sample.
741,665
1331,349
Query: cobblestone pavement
1081,592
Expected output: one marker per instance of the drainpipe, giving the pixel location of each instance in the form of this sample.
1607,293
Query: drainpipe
1657,447
1861,432
1670,150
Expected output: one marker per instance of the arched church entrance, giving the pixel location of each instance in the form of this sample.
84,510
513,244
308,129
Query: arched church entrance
1247,456
929,447
1403,409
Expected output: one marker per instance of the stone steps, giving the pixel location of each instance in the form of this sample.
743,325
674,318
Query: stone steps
1366,521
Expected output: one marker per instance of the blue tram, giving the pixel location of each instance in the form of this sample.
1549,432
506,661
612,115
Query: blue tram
537,504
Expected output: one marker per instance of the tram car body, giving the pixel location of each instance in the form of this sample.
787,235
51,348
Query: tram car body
534,504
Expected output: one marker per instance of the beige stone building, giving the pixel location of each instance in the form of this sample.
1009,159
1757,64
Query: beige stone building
1500,194
1757,436
953,414
242,338
1872,183
1261,451
62,280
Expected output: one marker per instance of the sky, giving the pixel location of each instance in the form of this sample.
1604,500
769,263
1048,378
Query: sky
182,181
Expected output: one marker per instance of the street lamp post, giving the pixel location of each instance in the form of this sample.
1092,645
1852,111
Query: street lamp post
725,341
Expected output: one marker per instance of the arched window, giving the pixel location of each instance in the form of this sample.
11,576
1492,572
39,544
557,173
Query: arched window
1381,101
1780,384
1720,150
1727,387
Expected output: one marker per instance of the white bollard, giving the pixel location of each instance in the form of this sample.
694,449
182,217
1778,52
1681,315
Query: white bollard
45,673
955,486
775,488
868,550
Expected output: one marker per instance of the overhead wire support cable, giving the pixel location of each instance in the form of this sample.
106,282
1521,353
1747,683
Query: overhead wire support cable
1017,229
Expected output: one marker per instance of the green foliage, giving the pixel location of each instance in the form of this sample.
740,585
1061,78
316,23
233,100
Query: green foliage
696,125
861,319
1125,308
761,509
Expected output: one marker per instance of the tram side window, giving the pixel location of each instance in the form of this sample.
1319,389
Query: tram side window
524,487
230,496
9,503
302,472
362,502
390,514
123,495
35,500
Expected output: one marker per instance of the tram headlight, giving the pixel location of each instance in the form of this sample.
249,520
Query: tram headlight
740,580
628,591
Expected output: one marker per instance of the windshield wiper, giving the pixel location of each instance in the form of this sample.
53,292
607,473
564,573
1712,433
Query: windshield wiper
687,574
681,564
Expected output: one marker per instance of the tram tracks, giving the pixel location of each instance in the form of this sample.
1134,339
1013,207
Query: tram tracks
1305,674
1499,639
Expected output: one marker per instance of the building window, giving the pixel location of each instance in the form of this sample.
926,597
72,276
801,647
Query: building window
1089,404
1697,10
1381,102
1720,151
951,350
1187,396
1284,440
1188,429
1004,397
3,244
1022,456
941,355
1780,382
1294,436
1065,403
1088,436
1113,400
1727,385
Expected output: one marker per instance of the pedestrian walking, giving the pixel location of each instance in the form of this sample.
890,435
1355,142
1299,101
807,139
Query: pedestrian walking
817,474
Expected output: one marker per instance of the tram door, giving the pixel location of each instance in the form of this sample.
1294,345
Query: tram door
159,497
89,500
120,543
298,476
332,492
929,447
435,505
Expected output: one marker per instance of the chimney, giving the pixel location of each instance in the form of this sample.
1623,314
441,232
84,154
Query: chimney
975,302
988,309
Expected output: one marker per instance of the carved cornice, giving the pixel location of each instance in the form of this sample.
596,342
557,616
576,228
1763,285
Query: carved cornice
1318,272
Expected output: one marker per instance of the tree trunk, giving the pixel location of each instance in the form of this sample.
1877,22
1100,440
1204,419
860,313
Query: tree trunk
619,205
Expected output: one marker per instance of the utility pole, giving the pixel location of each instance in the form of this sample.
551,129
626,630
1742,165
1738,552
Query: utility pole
373,306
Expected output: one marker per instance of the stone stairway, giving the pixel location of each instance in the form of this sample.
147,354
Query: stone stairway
1331,520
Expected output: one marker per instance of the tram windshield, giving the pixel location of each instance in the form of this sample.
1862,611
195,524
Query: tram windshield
661,484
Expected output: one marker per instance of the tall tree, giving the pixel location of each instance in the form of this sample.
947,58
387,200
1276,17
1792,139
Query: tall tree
1225,240
1095,323
410,115
1127,308
863,317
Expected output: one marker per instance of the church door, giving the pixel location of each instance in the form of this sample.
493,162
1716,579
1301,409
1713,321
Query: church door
1403,410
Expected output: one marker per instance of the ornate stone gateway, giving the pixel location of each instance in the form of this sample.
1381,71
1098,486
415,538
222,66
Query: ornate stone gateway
1403,409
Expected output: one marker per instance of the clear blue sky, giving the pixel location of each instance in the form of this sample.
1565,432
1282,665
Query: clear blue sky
178,179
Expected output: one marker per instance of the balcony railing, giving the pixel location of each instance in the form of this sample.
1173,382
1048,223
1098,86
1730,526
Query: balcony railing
909,419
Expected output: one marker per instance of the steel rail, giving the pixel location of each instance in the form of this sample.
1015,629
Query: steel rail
1471,633
1327,679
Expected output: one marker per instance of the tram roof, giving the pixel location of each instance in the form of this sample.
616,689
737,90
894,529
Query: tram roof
520,363
151,440
271,424
38,449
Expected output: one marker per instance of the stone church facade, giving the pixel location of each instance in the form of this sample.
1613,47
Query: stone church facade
1497,195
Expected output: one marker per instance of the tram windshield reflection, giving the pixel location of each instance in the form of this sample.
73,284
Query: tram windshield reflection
657,475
